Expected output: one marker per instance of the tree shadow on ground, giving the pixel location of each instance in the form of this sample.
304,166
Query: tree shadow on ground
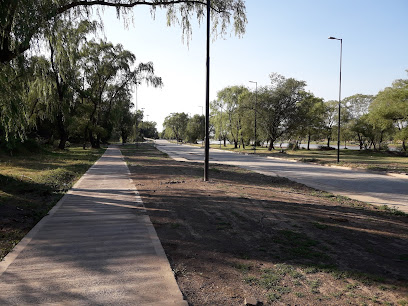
244,218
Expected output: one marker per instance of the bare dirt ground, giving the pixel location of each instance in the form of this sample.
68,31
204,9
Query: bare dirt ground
246,235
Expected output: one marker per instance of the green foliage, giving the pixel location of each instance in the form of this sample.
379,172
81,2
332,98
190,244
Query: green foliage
278,106
310,115
82,90
175,126
13,122
391,104
195,129
23,22
230,110
148,129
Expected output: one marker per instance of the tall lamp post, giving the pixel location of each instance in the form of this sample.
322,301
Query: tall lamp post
207,100
256,102
338,132
221,125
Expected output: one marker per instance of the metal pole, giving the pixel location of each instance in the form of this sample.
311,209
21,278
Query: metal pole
137,145
256,102
207,99
220,125
338,134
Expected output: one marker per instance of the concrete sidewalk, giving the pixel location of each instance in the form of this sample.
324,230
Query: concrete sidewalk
97,246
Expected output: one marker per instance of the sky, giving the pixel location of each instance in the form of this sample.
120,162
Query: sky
288,37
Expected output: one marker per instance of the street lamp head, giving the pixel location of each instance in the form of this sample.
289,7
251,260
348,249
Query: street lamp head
331,37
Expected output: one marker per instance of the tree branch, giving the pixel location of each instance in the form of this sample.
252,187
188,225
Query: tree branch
64,8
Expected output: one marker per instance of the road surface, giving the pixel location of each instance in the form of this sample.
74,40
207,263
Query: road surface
378,189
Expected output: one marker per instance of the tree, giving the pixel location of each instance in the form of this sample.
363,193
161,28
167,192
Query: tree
310,115
331,113
195,128
356,106
148,129
374,129
108,74
13,106
229,99
392,104
54,86
25,21
219,120
277,106
175,126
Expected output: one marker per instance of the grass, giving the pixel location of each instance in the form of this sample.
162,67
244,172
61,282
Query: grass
364,159
32,182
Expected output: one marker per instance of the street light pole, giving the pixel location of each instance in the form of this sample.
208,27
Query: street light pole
220,125
256,102
207,100
338,132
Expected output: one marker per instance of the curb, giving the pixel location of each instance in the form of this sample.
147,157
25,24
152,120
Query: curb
397,175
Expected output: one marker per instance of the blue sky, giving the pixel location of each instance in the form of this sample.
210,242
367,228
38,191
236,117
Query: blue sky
288,37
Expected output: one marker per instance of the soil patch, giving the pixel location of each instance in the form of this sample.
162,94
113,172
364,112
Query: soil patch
246,235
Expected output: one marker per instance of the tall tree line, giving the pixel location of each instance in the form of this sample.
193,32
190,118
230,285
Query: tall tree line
286,111
80,90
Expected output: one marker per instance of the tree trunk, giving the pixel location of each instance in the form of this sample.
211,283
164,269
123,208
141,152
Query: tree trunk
404,147
271,146
85,135
308,141
92,139
124,137
98,141
62,131
328,141
235,144
360,140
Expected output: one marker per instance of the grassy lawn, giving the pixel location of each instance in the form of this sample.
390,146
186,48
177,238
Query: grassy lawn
32,182
379,161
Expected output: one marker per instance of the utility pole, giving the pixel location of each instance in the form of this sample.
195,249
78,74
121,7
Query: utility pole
338,132
207,100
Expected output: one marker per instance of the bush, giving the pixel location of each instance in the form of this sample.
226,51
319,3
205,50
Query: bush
325,148
59,179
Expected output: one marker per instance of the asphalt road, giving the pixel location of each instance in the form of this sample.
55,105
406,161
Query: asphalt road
378,189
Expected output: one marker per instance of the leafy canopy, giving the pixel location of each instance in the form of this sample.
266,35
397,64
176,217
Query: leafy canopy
22,22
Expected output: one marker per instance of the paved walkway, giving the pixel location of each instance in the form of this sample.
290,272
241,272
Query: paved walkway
97,246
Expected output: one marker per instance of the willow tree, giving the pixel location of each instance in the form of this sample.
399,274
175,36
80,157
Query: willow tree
64,40
24,22
108,75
